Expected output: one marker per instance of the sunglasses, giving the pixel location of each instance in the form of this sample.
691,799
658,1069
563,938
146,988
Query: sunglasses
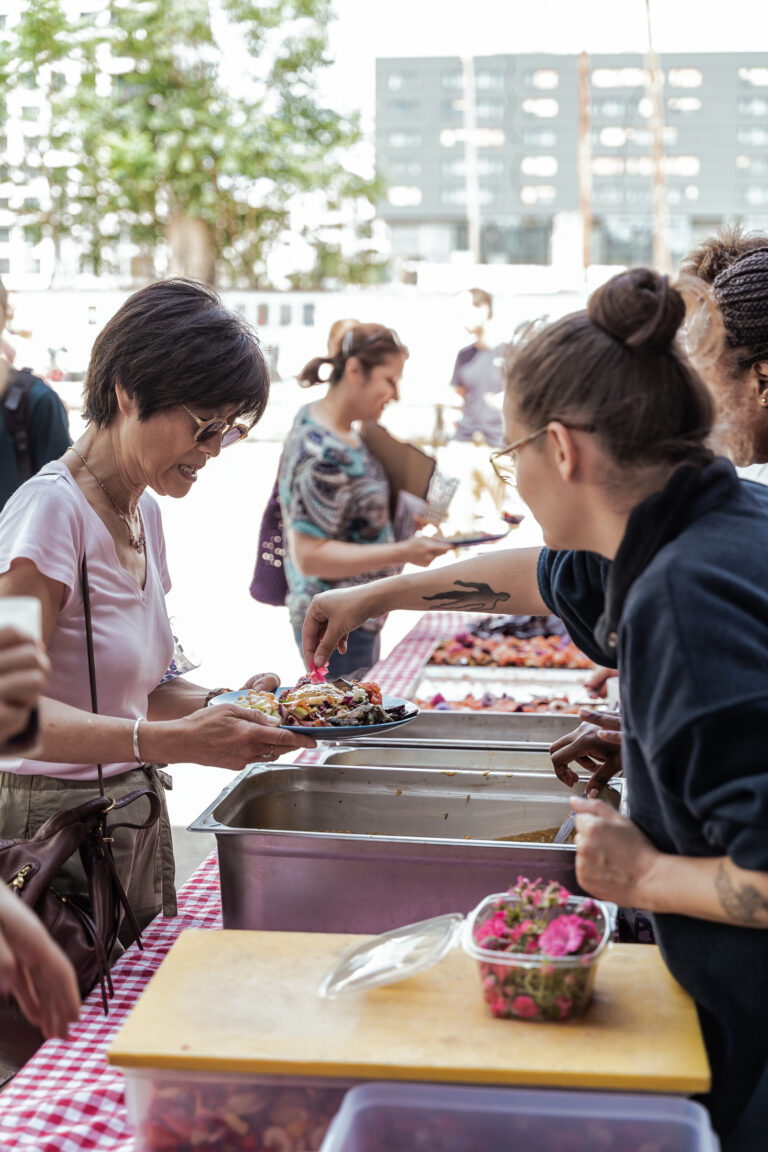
207,429
505,461
348,341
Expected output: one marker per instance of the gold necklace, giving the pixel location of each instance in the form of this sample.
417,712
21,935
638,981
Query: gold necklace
137,542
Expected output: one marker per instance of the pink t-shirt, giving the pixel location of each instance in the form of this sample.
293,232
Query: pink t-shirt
49,521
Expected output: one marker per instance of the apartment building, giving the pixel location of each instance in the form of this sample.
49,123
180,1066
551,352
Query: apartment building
526,119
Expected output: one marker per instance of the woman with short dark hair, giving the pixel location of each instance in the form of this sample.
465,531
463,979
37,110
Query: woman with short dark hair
172,380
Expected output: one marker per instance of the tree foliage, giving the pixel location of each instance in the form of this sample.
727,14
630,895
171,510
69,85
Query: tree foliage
153,141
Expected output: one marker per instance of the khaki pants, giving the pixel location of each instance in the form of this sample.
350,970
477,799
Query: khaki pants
144,857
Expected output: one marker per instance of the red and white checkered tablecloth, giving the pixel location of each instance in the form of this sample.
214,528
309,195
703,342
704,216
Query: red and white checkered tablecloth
67,1098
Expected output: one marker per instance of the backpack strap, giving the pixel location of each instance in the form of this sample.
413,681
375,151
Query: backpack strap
16,418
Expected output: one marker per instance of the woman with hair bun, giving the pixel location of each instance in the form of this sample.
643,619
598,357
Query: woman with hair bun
655,561
334,494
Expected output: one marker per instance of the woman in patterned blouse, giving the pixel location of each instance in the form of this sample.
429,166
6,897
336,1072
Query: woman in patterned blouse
334,494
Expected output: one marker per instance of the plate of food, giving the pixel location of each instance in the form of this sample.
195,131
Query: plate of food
328,710
482,536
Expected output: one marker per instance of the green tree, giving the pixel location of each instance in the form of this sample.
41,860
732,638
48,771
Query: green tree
154,142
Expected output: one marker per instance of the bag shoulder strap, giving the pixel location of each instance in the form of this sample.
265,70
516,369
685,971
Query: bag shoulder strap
89,645
16,418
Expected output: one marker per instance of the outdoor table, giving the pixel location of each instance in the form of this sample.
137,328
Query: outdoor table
66,1098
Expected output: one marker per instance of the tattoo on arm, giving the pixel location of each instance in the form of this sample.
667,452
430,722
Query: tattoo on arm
744,904
481,598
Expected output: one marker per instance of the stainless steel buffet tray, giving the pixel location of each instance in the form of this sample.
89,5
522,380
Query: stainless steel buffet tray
348,848
503,759
476,730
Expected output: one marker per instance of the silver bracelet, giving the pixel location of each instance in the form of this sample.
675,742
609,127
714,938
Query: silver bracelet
136,754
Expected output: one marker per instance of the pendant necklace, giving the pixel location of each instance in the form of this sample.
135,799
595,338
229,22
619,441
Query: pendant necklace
137,542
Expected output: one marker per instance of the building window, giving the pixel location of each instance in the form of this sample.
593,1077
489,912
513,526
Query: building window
403,109
757,106
404,140
639,166
755,194
4,203
5,235
538,194
5,266
484,137
31,204
308,315
542,107
33,264
607,166
452,78
543,79
755,165
457,169
403,168
681,165
404,196
285,315
684,78
620,78
396,81
754,136
538,166
458,196
490,110
684,104
262,315
489,80
30,112
539,138
611,106
754,77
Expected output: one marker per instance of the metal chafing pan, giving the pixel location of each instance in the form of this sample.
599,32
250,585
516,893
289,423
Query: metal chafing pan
523,757
343,848
476,730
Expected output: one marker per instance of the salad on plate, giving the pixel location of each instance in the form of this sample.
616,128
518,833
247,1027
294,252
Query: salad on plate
318,703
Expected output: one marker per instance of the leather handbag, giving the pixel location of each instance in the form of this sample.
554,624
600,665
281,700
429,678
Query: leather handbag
86,931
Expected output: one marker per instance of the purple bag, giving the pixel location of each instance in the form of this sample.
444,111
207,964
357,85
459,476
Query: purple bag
269,585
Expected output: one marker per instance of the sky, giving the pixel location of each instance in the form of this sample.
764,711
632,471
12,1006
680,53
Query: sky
367,29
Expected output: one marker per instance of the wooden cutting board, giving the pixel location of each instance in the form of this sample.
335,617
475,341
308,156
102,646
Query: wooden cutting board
235,1001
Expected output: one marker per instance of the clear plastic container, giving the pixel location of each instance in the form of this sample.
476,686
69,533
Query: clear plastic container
443,1118
535,986
173,1111
514,984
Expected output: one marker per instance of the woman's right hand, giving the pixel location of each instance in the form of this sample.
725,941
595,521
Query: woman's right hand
594,745
24,668
330,618
221,736
422,550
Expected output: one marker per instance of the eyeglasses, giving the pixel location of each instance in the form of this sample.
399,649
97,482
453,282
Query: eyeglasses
506,470
206,429
349,339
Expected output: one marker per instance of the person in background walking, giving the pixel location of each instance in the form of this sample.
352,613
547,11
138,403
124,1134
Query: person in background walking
477,373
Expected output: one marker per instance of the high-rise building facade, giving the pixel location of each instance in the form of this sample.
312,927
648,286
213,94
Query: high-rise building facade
526,118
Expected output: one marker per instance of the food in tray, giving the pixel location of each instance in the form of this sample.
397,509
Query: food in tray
320,704
214,1117
504,703
509,652
540,836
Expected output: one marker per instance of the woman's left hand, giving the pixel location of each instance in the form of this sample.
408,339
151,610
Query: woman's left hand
614,859
262,682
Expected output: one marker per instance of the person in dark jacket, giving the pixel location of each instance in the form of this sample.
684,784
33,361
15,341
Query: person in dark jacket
656,563
45,420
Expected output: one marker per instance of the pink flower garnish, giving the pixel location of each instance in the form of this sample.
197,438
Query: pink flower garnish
524,1006
565,934
496,926
317,675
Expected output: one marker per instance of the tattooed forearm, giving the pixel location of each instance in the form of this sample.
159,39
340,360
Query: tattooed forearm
742,903
481,598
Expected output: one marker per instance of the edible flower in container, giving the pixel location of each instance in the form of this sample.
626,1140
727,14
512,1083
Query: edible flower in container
537,947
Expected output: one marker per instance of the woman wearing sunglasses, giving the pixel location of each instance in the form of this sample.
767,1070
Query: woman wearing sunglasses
334,494
173,379
656,562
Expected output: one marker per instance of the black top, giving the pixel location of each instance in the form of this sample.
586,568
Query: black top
692,647
48,436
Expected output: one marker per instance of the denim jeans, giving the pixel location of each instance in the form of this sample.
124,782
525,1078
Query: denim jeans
362,653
